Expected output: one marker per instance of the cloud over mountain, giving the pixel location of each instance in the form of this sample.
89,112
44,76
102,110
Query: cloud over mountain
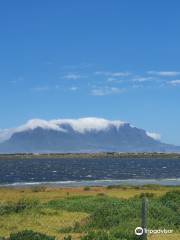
155,136
80,135
80,125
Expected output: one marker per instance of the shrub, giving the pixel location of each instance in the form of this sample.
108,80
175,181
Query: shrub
68,238
30,235
21,205
147,194
171,197
102,235
6,208
101,194
68,229
77,227
25,204
112,214
38,189
152,186
96,236
87,188
124,187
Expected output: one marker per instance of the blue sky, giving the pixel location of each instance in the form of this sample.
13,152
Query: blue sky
115,59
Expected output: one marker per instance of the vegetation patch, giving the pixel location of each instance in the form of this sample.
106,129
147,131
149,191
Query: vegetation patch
89,217
30,235
20,206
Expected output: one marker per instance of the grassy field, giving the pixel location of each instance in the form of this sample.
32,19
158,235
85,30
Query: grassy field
44,193
98,212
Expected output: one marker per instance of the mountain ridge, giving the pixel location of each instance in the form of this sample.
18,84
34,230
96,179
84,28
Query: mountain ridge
81,135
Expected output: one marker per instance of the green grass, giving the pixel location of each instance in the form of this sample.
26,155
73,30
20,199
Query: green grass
86,204
112,214
91,217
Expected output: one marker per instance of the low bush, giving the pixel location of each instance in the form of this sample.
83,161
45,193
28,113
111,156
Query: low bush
30,235
115,213
97,236
124,187
21,205
68,238
101,194
147,195
87,188
38,189
151,186
103,235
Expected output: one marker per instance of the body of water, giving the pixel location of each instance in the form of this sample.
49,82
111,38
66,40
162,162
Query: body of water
78,172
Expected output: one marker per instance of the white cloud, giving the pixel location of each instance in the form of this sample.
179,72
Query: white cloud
87,124
155,136
174,82
113,79
164,73
80,125
142,79
136,86
5,134
34,123
112,74
72,76
73,88
30,125
102,91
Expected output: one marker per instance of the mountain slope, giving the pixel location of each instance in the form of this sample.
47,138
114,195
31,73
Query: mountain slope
82,135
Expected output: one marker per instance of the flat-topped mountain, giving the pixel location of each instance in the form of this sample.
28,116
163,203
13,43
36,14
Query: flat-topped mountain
80,135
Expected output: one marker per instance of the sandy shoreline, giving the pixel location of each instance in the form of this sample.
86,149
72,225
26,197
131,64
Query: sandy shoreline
98,183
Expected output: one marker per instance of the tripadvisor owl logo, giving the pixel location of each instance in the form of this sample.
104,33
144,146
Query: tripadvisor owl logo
139,231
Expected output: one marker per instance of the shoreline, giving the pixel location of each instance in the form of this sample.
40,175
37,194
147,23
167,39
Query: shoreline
143,155
95,183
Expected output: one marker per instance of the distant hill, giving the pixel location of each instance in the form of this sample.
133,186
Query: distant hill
81,135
